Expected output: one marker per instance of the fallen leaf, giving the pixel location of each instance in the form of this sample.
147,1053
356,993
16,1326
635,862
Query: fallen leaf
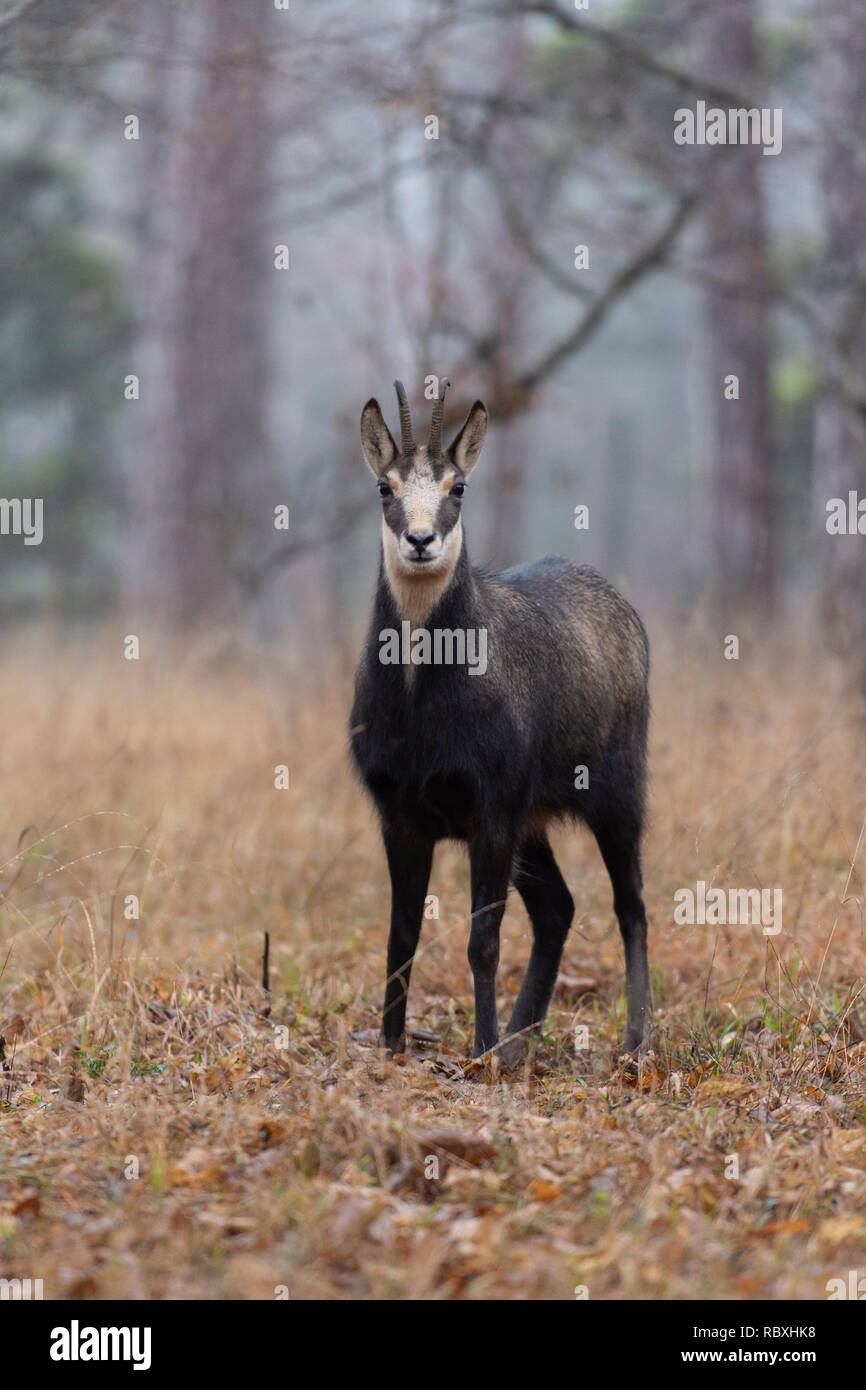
469,1148
776,1228
541,1191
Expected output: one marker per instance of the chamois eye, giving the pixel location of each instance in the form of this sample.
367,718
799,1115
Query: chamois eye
458,489
384,488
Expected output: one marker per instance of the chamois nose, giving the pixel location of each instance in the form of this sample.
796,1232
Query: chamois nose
420,542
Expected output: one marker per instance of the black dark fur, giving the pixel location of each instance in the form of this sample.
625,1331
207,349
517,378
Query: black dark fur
490,760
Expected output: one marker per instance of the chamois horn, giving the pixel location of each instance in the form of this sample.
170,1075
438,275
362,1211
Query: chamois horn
436,423
405,418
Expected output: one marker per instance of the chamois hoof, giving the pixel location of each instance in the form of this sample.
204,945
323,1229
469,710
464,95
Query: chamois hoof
637,1046
512,1053
484,1066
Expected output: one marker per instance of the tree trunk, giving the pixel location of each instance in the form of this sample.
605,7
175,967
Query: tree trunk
840,436
736,320
148,441
220,355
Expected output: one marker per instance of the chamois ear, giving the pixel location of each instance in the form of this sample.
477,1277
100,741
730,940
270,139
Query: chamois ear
464,452
379,448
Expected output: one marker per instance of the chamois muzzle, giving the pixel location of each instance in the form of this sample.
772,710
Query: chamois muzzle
420,545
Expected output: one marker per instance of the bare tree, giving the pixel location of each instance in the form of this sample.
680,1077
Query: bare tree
220,351
840,423
737,330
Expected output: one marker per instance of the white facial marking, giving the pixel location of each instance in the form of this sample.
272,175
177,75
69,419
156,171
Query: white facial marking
418,588
420,495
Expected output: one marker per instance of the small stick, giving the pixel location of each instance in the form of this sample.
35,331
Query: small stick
266,974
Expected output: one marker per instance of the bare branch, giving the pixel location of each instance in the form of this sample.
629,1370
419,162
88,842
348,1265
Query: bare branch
625,49
648,259
522,236
253,578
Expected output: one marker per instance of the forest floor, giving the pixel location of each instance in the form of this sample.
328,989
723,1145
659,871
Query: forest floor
170,1130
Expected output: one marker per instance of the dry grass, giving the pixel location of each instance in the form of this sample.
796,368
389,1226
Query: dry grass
273,1148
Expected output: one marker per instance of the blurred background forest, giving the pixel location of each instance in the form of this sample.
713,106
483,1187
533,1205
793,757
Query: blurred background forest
149,248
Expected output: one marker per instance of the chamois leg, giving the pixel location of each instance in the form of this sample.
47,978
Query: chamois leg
551,908
490,874
409,863
619,843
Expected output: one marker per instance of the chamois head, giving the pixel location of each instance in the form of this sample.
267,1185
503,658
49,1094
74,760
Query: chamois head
421,487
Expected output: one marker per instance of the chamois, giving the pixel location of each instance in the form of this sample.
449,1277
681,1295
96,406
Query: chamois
553,728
